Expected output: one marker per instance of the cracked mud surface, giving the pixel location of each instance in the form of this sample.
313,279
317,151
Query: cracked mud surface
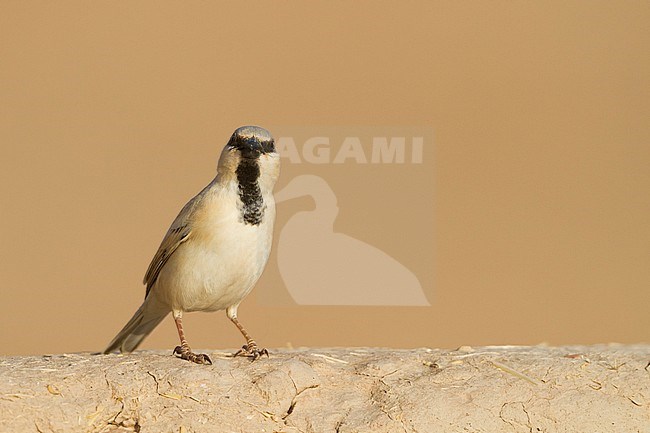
482,389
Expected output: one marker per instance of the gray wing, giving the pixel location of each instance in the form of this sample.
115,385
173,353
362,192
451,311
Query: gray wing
179,232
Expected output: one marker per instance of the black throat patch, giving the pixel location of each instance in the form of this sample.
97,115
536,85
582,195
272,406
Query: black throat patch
248,172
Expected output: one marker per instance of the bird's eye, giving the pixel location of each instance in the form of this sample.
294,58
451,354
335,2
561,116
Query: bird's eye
268,146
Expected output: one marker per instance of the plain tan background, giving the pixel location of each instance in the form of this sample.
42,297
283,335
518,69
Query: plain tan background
112,116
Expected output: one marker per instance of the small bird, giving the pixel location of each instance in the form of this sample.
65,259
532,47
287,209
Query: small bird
216,248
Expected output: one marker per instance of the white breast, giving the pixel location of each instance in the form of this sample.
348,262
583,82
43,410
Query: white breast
222,259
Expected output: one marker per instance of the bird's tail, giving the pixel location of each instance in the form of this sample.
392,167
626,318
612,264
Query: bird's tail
141,324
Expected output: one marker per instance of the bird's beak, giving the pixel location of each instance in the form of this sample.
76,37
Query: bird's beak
251,149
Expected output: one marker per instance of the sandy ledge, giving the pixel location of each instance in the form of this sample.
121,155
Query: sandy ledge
482,389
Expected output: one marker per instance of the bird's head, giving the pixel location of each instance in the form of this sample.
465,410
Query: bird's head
251,142
250,152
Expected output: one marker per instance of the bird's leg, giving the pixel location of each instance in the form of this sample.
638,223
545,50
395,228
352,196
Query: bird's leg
184,351
250,349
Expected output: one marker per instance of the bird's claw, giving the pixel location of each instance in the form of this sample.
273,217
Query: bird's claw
184,352
252,351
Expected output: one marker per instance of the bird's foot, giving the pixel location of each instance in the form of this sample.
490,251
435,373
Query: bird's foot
251,350
184,352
